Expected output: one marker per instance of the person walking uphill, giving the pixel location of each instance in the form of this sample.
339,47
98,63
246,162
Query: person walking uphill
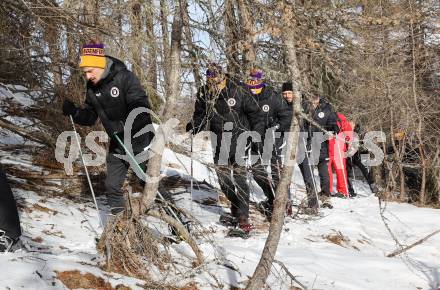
304,165
322,113
277,117
337,153
112,93
224,107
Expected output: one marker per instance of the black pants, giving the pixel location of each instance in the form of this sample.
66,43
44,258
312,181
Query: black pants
232,180
307,173
116,174
321,157
9,220
324,177
351,162
268,182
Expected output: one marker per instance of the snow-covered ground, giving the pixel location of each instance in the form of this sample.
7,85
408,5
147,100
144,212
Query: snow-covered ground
344,248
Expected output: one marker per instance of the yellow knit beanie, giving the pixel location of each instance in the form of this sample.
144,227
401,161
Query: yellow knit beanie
93,55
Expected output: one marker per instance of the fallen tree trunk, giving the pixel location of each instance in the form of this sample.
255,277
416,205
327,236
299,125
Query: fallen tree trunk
38,137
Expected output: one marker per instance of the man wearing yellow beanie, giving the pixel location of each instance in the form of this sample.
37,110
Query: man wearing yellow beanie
92,55
112,93
93,61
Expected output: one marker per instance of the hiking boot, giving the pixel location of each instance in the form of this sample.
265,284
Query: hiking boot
374,189
246,228
244,225
325,202
228,220
312,202
352,193
322,193
341,195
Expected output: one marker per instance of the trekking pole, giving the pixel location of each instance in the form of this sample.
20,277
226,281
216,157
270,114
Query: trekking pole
249,169
311,173
87,172
172,212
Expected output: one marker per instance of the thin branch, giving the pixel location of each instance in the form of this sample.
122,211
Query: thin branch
400,251
290,274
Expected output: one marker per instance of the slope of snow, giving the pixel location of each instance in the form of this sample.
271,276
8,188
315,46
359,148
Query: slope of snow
59,235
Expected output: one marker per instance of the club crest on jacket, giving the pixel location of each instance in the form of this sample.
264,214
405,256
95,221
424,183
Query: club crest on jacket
265,108
114,92
231,102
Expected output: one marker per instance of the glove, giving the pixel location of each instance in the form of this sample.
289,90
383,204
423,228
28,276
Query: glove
189,127
257,147
274,124
69,108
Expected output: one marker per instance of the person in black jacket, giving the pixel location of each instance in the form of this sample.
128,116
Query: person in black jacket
277,118
225,108
322,113
304,165
10,230
112,93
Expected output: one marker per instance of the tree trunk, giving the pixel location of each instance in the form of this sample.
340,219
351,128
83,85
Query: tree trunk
136,39
419,134
232,38
52,36
165,38
192,49
172,78
263,268
397,153
151,74
247,35
91,13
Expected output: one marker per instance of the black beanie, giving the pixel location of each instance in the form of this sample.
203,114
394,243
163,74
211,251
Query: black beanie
287,86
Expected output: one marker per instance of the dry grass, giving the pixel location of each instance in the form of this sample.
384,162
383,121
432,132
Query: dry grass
339,239
76,280
131,249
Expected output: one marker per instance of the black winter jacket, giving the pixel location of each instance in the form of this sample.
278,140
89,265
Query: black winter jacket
233,104
301,124
274,109
275,112
118,93
304,108
326,117
9,220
